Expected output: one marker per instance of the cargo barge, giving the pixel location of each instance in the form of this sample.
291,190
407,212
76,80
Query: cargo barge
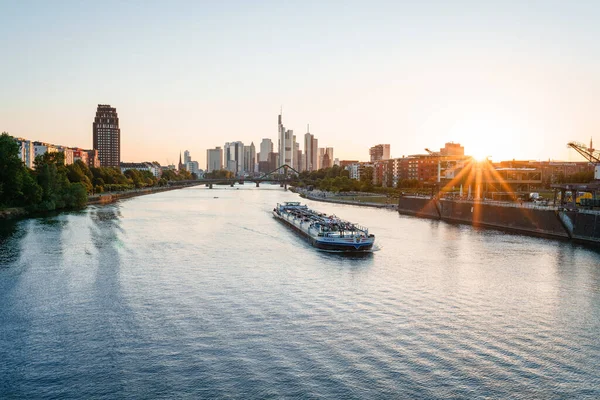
324,232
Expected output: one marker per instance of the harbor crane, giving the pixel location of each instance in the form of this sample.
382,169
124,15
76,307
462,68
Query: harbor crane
590,154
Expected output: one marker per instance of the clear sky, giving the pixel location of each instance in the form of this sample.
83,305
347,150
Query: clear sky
508,79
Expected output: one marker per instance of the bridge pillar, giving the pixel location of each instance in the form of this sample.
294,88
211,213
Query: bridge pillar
210,185
281,185
257,185
285,186
232,184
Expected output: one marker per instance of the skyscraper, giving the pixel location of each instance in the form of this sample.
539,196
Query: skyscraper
107,136
326,161
266,147
326,157
294,159
329,152
380,152
186,157
320,155
311,151
214,159
234,157
249,158
285,144
308,139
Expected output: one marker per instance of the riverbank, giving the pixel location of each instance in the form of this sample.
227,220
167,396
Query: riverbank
106,198
97,199
14,212
328,197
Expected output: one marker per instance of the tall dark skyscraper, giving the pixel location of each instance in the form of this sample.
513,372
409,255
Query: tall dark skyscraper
107,136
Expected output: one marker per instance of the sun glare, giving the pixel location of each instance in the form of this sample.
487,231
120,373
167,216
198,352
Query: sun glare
487,133
480,156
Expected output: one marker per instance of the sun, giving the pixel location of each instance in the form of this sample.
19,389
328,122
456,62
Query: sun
487,133
478,151
480,156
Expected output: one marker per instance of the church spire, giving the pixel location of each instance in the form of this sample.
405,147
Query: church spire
180,163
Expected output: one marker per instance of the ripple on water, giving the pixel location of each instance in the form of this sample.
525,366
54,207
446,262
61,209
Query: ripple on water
183,295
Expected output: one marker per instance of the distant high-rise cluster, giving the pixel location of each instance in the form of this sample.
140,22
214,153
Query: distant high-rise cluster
313,157
243,160
107,136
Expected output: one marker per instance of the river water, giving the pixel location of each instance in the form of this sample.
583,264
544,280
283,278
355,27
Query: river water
199,293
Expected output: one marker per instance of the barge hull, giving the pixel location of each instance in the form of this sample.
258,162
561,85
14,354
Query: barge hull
350,247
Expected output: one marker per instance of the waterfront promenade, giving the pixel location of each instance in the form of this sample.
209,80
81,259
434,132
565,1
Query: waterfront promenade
350,199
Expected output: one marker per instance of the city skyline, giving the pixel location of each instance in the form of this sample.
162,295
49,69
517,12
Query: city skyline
472,73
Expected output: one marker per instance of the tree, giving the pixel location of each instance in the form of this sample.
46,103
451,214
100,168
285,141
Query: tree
17,187
366,174
75,195
79,172
219,174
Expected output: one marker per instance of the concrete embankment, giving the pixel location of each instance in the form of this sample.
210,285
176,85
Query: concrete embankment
350,202
538,221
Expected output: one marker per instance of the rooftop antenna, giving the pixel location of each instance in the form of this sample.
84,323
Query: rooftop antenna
307,128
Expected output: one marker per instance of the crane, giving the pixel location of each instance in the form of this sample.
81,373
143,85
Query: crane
588,153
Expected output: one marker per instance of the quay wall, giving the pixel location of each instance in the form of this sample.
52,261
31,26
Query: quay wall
532,221
535,221
348,202
586,226
418,206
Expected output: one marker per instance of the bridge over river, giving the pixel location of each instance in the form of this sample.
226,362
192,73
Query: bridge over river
275,177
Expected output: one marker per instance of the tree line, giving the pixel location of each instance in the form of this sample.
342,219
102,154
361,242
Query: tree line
52,185
337,179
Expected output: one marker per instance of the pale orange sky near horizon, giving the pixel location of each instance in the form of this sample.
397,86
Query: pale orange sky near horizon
505,80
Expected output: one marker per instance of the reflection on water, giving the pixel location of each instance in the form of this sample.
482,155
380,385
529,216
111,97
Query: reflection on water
200,293
9,242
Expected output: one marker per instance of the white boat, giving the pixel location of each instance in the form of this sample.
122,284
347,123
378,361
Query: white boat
326,232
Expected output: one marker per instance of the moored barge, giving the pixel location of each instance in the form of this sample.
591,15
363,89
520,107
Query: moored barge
325,232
